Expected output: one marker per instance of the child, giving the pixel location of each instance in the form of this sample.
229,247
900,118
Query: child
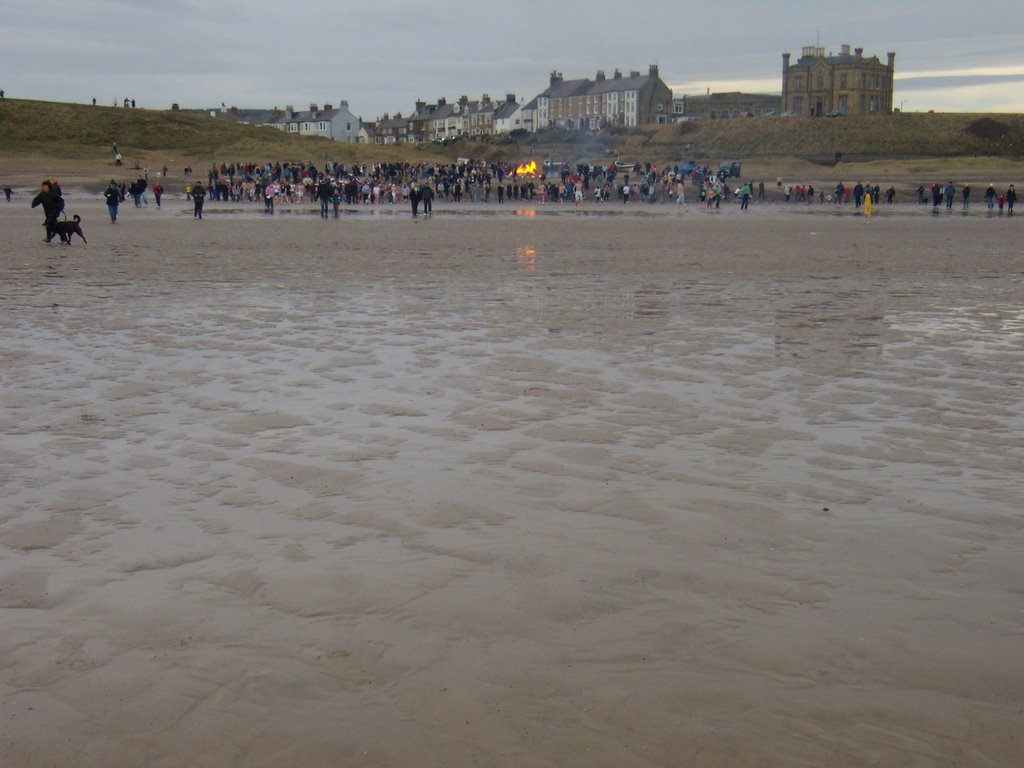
1001,201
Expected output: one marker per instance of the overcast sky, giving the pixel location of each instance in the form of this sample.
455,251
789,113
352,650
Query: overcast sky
383,55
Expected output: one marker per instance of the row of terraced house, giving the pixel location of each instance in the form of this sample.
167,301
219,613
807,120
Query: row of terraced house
816,84
619,100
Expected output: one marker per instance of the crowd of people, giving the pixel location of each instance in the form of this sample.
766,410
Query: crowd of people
948,193
419,184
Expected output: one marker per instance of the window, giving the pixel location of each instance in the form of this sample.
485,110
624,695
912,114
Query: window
843,104
820,83
798,83
842,81
798,105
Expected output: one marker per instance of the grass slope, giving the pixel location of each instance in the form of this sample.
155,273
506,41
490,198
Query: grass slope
81,132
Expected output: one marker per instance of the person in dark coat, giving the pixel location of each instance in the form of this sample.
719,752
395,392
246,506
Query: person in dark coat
50,199
113,197
198,198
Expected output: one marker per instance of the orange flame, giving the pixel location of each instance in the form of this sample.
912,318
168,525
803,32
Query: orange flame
530,169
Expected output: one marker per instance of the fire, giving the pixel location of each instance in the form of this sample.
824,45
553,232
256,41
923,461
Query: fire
530,169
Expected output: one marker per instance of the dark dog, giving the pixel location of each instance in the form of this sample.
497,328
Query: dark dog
65,229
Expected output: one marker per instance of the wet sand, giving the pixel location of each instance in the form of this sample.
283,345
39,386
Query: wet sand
540,490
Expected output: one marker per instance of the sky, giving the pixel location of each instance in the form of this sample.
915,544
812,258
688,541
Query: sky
383,55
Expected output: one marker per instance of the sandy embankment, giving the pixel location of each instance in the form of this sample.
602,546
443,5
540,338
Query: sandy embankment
586,490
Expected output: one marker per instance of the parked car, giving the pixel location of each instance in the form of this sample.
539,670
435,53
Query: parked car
725,170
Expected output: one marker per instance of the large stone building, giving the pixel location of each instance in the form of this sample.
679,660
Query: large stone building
847,84
605,101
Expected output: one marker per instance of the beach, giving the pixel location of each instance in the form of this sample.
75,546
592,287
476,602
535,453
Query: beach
536,486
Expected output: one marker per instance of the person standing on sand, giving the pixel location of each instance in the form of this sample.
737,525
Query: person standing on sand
681,198
414,198
113,197
8,192
990,197
867,205
158,192
1011,198
965,193
427,198
198,198
323,194
950,192
269,193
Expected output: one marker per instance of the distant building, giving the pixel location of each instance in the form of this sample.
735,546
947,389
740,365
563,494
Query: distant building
719,105
508,116
338,123
847,84
615,101
392,130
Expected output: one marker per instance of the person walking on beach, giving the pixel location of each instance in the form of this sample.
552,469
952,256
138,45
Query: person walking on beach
198,198
50,199
158,192
113,197
8,192
745,199
965,193
950,193
1011,198
867,205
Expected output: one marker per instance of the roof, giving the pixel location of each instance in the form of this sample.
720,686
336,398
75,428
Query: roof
506,111
565,88
618,84
842,59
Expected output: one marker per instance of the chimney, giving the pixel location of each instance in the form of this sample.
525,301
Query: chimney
653,71
617,75
844,49
463,100
290,110
313,107
387,117
486,98
343,104
420,106
442,101
858,52
398,115
327,107
634,74
510,98
556,77
892,59
600,76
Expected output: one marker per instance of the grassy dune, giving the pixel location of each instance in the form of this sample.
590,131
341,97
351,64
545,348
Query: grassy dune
858,138
39,137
